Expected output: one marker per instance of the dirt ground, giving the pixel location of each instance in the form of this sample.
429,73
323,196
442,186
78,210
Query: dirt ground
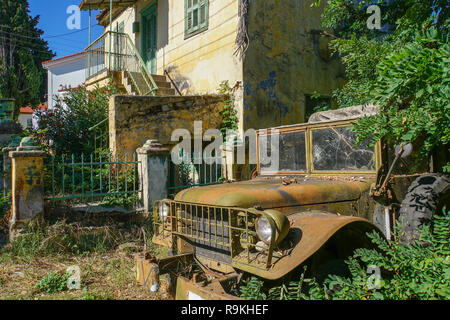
105,275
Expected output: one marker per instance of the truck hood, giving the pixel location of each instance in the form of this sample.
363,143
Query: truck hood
274,194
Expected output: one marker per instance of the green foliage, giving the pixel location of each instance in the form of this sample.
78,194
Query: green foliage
255,288
5,204
295,290
407,272
65,129
252,289
415,271
53,282
22,76
229,112
95,295
413,91
121,200
403,68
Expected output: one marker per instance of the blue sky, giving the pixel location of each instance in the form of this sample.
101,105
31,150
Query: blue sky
53,23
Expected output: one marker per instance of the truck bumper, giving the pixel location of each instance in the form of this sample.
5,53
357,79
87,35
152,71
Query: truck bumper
189,290
148,270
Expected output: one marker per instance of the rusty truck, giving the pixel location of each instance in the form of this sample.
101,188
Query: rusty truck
316,206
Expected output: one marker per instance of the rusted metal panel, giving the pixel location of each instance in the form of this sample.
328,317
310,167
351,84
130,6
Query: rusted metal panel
272,193
189,290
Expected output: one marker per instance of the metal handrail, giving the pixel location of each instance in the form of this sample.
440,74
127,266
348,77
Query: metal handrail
98,124
122,64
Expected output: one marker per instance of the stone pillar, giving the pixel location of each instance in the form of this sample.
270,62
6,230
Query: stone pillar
27,163
231,170
153,172
6,179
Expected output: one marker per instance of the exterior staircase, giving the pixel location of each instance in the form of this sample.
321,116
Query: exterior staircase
114,53
135,84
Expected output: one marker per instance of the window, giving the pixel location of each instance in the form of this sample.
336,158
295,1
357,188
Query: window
196,16
333,149
290,156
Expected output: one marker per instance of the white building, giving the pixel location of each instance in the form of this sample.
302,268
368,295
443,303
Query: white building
64,72
26,115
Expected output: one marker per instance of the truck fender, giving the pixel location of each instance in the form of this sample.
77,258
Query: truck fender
310,231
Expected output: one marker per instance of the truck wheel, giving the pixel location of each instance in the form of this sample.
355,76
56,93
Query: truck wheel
426,196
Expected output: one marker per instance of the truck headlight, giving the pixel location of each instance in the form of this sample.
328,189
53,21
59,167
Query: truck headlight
163,210
266,232
263,229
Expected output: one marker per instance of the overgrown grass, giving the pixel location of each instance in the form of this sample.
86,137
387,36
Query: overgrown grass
419,271
64,238
34,266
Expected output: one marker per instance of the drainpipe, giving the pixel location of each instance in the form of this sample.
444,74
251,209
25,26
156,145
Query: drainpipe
90,24
110,30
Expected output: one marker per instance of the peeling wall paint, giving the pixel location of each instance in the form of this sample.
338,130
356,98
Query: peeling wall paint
284,62
133,120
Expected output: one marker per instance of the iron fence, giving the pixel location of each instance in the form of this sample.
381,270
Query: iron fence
92,178
194,171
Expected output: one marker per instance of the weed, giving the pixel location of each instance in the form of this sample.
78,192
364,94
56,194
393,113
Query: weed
416,271
95,295
53,282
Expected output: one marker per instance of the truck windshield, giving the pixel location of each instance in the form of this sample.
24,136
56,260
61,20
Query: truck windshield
290,156
333,150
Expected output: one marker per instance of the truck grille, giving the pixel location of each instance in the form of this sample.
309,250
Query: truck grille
207,228
217,233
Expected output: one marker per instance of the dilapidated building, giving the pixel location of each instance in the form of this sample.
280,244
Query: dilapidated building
273,53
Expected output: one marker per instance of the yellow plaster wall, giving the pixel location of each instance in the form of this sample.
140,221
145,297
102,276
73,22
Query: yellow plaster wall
284,62
197,64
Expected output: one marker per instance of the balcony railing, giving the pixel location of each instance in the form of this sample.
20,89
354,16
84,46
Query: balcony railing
115,52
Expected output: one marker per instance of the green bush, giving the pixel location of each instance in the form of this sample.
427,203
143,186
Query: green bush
65,128
54,282
419,271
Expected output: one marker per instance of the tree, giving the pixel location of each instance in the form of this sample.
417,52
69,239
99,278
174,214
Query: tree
403,68
22,51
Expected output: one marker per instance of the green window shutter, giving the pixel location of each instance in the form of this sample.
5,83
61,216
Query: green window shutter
196,16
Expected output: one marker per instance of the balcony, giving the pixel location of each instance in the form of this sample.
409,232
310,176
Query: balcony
105,4
114,52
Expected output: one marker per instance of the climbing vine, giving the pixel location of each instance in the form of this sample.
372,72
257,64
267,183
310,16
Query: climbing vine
229,113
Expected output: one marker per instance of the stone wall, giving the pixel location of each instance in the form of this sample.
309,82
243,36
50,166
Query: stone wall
135,119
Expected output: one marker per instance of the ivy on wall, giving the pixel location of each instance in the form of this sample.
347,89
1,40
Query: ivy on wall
229,113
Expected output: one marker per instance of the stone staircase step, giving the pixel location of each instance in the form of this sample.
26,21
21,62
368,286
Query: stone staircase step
166,91
164,87
159,78
161,84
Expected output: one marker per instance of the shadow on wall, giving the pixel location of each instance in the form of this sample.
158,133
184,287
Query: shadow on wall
183,83
163,24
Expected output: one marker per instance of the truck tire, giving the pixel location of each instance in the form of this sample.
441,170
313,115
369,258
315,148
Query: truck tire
426,196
